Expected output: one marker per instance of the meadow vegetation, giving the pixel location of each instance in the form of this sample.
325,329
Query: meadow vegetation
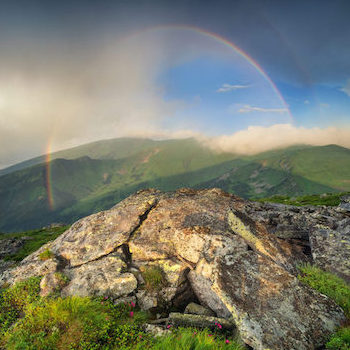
328,199
35,239
28,321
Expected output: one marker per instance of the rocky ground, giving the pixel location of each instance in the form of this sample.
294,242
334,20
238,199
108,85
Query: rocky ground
237,259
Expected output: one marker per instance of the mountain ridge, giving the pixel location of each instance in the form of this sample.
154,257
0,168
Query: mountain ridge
64,190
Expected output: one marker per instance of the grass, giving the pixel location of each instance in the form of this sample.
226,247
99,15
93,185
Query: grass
37,238
329,199
154,277
327,283
336,289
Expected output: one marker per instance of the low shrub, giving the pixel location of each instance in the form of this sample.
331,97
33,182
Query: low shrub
15,300
340,340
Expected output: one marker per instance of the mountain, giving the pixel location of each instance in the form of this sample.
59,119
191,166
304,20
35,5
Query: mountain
93,177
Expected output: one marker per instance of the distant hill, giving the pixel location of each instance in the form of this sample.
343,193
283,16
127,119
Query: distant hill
93,177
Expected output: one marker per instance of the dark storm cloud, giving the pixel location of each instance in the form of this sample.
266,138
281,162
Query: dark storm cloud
298,41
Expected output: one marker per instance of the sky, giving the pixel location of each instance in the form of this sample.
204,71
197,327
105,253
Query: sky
241,76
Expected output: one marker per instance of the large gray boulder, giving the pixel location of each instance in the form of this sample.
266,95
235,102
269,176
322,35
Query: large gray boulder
236,257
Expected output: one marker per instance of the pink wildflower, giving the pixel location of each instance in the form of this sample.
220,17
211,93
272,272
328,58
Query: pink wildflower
210,335
219,325
132,304
168,326
131,313
227,341
105,298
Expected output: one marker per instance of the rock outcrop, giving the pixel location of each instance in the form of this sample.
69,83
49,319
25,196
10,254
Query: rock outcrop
235,257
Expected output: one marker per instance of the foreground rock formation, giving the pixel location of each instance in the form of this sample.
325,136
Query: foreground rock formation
235,257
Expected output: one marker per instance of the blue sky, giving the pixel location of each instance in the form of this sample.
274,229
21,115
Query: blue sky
78,71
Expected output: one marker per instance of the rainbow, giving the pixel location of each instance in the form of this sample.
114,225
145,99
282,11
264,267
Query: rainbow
232,46
201,31
48,179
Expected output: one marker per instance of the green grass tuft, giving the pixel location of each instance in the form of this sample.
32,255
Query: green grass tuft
46,255
154,277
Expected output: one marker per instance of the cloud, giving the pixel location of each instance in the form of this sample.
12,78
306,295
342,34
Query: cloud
306,102
346,88
70,96
256,139
229,87
248,109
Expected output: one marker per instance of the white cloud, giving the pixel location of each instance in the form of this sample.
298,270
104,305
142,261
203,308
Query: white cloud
248,109
346,88
257,139
229,87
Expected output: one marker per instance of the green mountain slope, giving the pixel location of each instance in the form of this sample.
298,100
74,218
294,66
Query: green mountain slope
94,177
293,171
104,149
